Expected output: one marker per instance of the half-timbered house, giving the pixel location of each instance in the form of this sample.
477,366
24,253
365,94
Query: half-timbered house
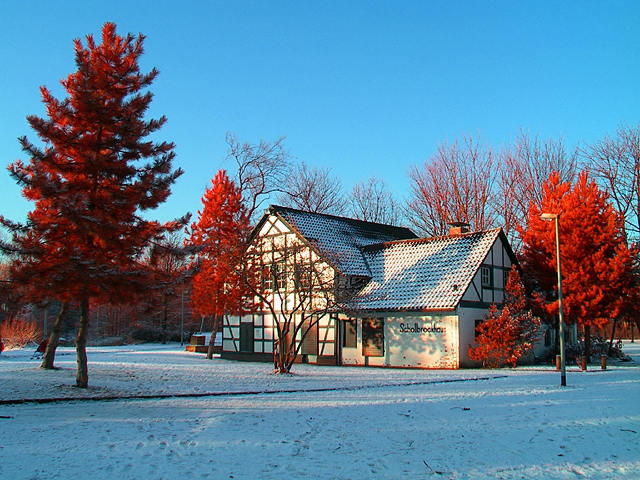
397,300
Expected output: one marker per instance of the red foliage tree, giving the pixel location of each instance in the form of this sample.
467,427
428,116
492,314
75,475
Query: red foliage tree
220,236
596,263
85,235
506,335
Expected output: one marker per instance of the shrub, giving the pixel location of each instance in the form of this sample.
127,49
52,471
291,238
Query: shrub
108,342
599,346
144,334
506,335
17,333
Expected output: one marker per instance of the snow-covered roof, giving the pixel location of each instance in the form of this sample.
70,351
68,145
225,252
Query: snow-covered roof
339,239
422,274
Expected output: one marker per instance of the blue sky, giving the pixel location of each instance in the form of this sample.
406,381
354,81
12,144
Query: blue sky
363,88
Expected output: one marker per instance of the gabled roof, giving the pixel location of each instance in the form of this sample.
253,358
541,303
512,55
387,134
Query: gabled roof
339,239
423,274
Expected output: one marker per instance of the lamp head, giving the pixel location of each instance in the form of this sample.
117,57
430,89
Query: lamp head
547,217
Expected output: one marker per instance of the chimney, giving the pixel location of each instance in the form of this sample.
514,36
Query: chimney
458,228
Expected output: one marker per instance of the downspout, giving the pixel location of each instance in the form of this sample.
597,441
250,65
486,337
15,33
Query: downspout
457,313
338,340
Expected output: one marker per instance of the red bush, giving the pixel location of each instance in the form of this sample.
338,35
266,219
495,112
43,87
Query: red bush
17,333
505,336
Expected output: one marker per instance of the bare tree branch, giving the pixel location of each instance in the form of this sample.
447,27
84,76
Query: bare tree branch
261,170
616,165
456,184
298,289
372,202
313,190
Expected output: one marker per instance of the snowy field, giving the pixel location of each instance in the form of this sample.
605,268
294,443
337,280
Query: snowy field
320,423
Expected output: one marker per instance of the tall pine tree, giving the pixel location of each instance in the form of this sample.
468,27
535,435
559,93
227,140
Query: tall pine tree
220,236
596,263
90,181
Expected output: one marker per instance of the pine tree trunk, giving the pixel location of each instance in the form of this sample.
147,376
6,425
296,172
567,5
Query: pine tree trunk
54,337
82,372
613,334
164,320
587,342
216,325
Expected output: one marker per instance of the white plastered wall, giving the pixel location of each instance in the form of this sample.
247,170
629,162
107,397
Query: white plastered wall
411,340
466,328
422,341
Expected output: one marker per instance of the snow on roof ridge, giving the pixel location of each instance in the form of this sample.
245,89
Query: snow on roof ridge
276,208
390,243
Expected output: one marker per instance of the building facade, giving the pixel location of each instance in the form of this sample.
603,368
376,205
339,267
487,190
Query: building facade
382,296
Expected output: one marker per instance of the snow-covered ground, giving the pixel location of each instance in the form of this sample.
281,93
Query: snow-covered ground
320,423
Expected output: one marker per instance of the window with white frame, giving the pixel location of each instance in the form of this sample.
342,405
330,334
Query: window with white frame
302,276
267,278
280,273
486,276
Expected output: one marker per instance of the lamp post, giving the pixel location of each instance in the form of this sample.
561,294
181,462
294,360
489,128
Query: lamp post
182,319
563,372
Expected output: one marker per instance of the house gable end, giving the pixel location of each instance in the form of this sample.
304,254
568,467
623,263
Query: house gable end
487,286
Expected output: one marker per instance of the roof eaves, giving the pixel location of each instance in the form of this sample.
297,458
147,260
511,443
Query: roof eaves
403,309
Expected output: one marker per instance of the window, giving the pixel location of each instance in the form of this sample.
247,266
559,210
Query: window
485,275
476,333
275,276
349,333
302,277
281,276
373,337
267,278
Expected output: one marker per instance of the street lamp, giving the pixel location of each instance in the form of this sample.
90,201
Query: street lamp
563,372
182,319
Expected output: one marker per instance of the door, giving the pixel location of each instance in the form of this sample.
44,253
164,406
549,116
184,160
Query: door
246,337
